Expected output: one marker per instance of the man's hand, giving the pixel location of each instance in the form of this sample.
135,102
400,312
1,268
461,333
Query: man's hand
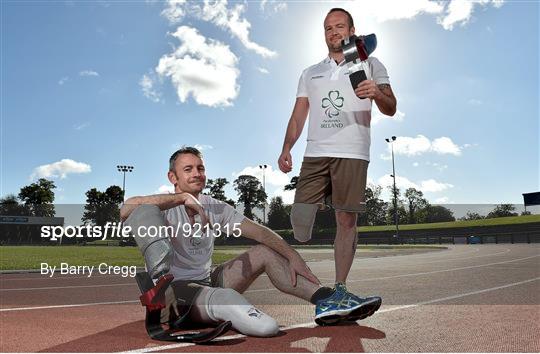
298,266
194,207
368,89
285,162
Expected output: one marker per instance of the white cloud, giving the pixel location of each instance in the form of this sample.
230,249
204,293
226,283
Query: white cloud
426,186
63,80
81,126
60,169
218,13
88,73
165,189
444,145
287,196
263,70
273,6
460,12
466,146
174,11
377,116
431,185
385,10
271,176
419,145
449,13
474,102
415,164
442,200
401,182
148,89
201,67
438,166
203,147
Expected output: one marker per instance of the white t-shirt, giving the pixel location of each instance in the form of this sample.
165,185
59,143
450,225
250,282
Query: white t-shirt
193,246
339,121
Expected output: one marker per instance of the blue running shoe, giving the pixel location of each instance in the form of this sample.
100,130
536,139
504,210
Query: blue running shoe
336,307
369,305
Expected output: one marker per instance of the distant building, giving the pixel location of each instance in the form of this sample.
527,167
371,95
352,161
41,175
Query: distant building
25,230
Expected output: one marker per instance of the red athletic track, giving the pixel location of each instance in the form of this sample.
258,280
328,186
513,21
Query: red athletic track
476,298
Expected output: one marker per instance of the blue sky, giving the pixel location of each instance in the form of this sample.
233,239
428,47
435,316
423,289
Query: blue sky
89,85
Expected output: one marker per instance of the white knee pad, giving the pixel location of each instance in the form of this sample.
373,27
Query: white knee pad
302,220
229,305
157,251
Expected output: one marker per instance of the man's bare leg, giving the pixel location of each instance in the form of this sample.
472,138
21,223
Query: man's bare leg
240,272
344,244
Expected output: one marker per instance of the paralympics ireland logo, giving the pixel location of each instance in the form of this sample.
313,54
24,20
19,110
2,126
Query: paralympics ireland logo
332,104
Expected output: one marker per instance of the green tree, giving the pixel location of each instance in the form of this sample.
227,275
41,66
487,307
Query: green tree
38,198
472,216
292,185
215,189
9,205
416,202
402,213
376,208
102,207
502,210
278,216
250,193
438,213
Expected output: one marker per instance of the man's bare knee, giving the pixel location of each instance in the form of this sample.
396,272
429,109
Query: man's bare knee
346,220
264,253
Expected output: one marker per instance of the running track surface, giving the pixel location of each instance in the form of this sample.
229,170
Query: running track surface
469,298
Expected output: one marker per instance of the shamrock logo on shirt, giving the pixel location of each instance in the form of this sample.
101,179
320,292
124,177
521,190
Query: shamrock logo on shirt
333,104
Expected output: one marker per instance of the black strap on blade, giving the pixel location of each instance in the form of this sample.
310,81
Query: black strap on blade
155,329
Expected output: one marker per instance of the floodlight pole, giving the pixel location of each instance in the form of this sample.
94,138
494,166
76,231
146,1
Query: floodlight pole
396,219
124,169
263,168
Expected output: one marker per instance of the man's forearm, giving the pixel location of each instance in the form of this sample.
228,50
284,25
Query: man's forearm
386,102
163,201
267,237
291,136
296,123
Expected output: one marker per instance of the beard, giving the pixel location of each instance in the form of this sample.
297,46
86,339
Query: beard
334,46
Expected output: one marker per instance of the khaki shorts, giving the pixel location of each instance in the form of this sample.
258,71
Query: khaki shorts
336,182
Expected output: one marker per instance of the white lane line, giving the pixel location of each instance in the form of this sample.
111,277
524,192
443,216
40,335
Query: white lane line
274,289
70,287
414,274
67,306
460,258
312,324
437,261
46,277
444,270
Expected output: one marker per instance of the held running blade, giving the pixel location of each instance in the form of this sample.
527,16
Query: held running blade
356,50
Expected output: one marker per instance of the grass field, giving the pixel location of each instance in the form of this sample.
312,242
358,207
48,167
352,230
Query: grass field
511,220
31,257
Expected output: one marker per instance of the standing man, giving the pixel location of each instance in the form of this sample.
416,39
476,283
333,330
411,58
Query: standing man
334,170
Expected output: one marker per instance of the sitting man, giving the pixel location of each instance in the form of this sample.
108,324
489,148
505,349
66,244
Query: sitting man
196,219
